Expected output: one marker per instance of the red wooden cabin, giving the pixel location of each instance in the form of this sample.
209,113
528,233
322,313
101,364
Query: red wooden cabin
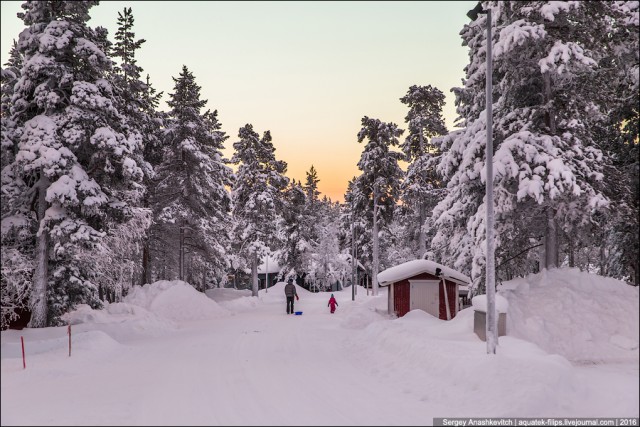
423,284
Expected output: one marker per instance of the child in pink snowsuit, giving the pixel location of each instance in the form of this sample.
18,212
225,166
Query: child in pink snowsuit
332,303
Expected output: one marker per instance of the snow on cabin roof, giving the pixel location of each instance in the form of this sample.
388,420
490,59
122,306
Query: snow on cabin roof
417,266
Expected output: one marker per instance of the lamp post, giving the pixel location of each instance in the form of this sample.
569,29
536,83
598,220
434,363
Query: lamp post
492,319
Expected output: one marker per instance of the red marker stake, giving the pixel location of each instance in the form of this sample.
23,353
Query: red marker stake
24,362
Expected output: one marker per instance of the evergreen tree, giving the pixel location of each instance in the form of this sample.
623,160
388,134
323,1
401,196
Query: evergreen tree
125,48
311,219
356,219
10,75
139,101
18,232
191,202
295,246
257,198
396,236
615,235
326,265
548,166
77,162
422,186
380,180
311,186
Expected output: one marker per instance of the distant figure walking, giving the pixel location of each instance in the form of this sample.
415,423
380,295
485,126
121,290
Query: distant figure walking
290,293
332,303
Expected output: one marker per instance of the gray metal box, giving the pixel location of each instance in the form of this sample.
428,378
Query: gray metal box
480,328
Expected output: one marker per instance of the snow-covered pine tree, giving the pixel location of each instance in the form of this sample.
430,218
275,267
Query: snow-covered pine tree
311,218
294,245
355,219
380,180
18,241
12,188
10,75
548,168
257,197
327,266
138,100
125,49
398,237
311,186
191,201
615,235
422,187
74,155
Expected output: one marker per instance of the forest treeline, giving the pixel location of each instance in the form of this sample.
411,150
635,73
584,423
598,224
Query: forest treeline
102,190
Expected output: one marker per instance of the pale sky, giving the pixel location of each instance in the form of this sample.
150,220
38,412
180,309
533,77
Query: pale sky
306,71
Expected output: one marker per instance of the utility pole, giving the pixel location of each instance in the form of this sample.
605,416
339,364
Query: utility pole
492,318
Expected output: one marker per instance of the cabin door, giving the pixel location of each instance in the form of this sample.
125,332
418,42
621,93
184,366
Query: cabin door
401,304
424,295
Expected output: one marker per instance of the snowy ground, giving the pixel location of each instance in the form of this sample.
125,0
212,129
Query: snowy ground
169,355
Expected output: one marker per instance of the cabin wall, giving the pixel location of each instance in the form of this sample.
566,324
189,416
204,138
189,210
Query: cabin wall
401,299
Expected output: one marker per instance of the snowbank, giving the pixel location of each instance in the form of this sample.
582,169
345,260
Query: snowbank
175,300
151,310
396,371
363,311
122,321
584,317
439,362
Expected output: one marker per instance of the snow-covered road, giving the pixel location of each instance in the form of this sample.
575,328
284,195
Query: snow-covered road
252,364
257,367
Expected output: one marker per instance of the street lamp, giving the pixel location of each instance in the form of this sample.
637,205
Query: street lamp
492,319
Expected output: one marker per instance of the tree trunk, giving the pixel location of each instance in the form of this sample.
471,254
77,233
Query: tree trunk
572,255
422,243
375,245
551,238
146,267
422,237
254,275
38,299
326,279
146,270
550,241
603,260
181,252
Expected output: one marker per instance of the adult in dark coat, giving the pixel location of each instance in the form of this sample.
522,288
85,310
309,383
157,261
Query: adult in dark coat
290,293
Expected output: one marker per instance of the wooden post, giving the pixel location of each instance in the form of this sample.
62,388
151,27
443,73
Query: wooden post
24,362
69,333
